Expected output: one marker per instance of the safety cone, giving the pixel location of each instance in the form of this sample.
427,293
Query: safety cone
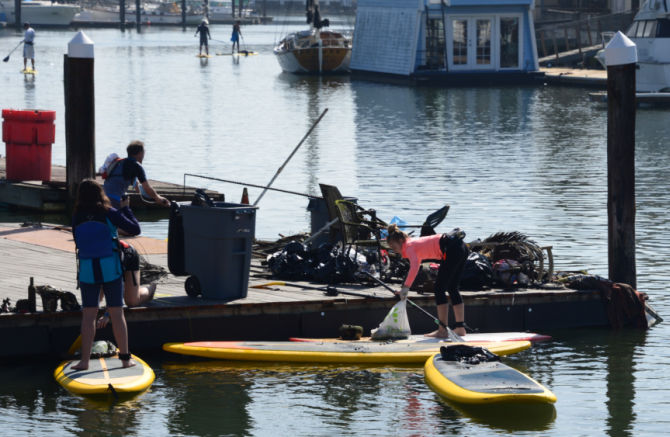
245,197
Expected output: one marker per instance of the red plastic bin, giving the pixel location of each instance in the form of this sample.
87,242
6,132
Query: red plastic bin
28,135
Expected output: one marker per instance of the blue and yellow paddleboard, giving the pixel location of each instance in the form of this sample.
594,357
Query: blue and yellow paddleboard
101,373
203,56
484,383
29,71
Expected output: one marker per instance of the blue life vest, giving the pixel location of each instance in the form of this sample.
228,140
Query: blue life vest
115,185
96,239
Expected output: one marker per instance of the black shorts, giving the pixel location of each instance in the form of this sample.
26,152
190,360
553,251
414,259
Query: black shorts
203,41
131,259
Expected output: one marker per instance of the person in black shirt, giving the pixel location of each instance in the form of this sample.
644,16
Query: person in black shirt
203,29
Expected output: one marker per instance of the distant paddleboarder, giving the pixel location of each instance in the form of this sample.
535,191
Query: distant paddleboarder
28,46
203,29
236,35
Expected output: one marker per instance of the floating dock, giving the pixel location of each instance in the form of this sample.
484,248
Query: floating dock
52,196
272,313
642,100
572,76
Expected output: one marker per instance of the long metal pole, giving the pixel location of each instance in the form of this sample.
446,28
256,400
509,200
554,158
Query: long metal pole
290,156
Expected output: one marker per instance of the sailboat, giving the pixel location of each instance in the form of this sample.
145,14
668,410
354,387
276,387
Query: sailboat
315,50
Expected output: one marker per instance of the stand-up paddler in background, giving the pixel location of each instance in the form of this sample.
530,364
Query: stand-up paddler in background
236,36
452,252
28,46
203,30
124,173
94,227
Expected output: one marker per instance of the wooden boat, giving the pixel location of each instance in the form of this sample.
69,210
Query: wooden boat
314,50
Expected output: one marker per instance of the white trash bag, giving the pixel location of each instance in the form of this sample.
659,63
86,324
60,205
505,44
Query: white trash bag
395,325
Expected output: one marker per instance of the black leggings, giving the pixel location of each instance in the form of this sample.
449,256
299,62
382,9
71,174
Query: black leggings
450,273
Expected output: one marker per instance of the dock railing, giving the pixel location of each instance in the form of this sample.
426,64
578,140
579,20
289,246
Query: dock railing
582,35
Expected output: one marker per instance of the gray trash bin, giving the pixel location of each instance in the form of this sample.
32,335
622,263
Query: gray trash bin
319,218
217,246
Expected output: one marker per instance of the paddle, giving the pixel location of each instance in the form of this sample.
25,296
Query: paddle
455,338
290,156
76,345
246,52
330,291
10,53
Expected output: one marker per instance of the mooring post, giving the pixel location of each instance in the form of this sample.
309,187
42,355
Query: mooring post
17,14
621,57
183,13
122,13
265,8
233,7
79,114
137,15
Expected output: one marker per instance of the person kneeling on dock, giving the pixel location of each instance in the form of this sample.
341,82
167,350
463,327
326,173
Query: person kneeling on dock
203,29
452,252
134,295
123,173
94,227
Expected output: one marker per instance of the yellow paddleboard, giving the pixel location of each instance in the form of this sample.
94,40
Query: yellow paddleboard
203,56
484,383
101,373
327,352
29,71
238,54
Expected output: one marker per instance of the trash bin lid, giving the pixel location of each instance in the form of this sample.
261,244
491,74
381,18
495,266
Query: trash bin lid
28,115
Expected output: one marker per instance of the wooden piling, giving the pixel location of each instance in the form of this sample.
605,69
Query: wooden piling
138,18
588,31
17,14
183,12
621,173
265,8
233,8
122,12
79,120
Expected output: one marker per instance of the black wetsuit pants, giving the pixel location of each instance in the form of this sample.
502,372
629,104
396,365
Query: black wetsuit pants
450,272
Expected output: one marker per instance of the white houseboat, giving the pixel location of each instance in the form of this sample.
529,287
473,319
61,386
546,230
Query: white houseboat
446,42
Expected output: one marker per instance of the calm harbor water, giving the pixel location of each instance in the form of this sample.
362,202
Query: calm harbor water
527,159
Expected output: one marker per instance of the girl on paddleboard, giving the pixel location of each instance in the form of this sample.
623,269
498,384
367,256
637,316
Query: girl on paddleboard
94,227
452,252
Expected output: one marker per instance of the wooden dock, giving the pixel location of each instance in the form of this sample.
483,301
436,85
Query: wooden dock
52,196
274,313
571,76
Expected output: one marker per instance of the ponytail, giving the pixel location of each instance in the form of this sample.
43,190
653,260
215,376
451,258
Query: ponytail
395,234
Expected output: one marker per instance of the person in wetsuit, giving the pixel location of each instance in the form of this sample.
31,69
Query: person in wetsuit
129,172
94,228
452,252
203,30
236,35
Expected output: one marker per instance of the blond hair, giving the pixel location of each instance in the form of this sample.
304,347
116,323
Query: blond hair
395,234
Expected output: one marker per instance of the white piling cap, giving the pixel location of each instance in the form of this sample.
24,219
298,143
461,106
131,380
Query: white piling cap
620,51
80,46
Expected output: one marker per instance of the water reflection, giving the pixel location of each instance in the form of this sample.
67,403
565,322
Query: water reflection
207,397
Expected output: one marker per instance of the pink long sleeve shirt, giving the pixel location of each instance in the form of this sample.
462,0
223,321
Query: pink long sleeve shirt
419,249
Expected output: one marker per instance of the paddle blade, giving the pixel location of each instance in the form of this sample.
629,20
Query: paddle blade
437,217
76,345
6,59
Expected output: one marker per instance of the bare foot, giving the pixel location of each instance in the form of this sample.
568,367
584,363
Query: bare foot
129,363
440,333
80,366
460,331
102,322
152,290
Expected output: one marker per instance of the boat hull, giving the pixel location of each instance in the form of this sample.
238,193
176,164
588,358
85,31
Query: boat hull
306,61
43,15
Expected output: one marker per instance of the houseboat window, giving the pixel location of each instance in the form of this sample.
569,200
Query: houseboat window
640,29
663,28
483,42
509,42
435,45
630,33
650,29
460,37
